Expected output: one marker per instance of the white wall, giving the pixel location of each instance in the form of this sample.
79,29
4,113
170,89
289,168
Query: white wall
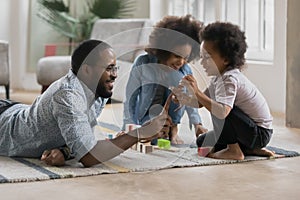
293,62
18,32
4,15
158,9
14,29
270,78
141,9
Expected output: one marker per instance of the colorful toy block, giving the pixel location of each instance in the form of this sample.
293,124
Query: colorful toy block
163,144
203,151
110,136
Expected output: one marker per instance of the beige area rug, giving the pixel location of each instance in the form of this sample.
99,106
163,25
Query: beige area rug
14,170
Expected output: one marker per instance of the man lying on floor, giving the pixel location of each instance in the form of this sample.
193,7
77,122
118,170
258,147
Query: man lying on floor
59,124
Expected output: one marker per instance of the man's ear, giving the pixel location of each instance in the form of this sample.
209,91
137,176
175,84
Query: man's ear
84,72
85,69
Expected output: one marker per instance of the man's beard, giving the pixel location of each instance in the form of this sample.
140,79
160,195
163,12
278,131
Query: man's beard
103,92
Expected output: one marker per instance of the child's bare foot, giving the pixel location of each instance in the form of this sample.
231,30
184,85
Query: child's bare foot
199,129
175,139
232,152
260,152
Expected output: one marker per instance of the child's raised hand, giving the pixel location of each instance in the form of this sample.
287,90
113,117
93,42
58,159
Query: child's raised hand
184,93
190,83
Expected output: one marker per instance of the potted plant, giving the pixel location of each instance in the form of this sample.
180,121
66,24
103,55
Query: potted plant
58,14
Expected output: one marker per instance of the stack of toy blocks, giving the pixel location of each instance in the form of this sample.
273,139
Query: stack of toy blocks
144,147
140,146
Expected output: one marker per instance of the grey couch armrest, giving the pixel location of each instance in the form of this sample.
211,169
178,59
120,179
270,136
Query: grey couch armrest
52,68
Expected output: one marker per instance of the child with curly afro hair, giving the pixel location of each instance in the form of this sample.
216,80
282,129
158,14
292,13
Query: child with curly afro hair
242,122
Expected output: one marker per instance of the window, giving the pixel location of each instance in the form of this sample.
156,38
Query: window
255,17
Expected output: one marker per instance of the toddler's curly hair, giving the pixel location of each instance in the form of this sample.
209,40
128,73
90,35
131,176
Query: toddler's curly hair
228,40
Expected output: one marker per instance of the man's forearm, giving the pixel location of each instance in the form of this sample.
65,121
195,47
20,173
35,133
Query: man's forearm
107,149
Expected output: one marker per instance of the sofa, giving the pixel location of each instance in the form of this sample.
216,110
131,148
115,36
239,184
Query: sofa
51,68
128,38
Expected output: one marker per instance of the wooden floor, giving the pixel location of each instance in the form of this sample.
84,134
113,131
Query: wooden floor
269,179
22,96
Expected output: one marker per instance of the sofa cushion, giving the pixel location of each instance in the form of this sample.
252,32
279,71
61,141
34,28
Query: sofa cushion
51,68
126,36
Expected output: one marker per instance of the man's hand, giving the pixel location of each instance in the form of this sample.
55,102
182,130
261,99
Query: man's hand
157,126
165,131
53,157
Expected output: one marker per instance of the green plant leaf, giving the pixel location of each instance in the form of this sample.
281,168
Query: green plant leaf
111,8
57,14
56,5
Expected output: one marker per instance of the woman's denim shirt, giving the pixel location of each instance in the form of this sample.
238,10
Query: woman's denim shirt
144,78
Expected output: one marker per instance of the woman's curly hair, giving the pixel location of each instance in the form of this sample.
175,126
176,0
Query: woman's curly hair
173,31
228,40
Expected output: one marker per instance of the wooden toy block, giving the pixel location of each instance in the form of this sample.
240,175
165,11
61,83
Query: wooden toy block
147,148
110,136
139,147
144,148
129,127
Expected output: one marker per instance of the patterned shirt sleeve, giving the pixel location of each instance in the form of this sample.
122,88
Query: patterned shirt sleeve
73,116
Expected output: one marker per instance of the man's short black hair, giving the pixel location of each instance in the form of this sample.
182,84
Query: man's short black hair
87,52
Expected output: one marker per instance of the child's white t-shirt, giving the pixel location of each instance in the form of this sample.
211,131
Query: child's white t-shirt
233,88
